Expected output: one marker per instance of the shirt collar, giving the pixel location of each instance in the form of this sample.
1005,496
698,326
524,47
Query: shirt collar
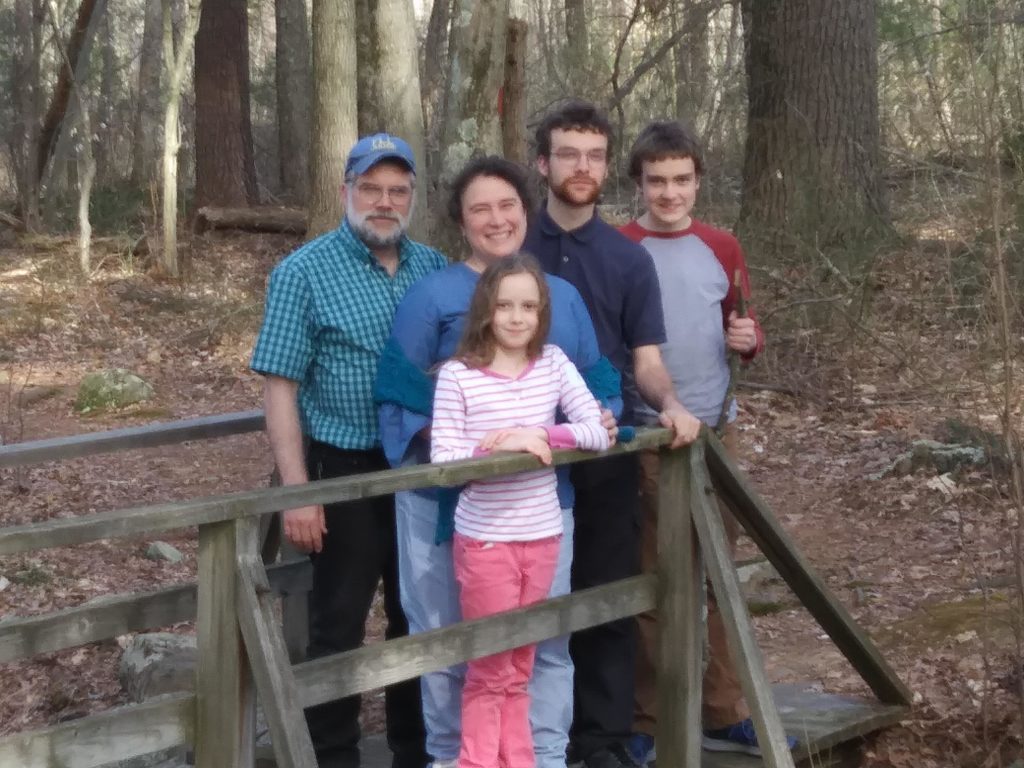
362,251
582,234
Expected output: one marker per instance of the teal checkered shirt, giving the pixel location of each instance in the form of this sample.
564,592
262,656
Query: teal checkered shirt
329,310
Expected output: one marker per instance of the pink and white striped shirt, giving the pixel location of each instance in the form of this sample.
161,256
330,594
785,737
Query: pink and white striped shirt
470,402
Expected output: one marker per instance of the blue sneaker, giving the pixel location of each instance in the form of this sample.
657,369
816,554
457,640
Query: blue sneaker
738,737
641,749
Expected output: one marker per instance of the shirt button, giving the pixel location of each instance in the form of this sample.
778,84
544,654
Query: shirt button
565,259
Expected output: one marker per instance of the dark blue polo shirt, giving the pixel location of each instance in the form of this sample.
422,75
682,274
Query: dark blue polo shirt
616,278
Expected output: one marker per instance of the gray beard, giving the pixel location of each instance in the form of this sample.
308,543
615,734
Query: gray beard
374,239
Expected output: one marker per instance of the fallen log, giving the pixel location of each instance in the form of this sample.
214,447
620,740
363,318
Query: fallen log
257,219
12,221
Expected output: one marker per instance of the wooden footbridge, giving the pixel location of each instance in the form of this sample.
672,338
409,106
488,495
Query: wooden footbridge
242,650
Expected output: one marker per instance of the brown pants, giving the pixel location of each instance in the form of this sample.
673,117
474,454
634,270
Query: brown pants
722,696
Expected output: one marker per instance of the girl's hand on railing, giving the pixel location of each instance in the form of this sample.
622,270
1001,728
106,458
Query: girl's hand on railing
305,528
519,440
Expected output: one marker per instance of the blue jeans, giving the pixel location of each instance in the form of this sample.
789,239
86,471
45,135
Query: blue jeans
430,598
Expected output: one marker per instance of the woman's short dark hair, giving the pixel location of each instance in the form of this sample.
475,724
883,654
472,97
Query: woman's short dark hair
489,166
661,140
572,115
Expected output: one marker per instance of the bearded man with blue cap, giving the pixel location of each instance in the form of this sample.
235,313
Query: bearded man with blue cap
329,311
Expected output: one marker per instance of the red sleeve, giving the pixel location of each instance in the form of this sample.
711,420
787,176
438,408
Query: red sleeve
633,231
730,255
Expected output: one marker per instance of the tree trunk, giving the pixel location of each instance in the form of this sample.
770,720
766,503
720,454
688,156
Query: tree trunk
368,82
103,136
399,107
435,54
85,160
577,45
25,130
476,70
691,61
145,140
513,93
86,175
334,109
174,75
811,169
225,170
293,92
475,74
77,49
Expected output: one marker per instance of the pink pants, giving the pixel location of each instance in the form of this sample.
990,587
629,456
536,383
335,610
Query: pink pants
495,577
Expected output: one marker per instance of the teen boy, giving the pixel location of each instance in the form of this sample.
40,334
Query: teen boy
696,266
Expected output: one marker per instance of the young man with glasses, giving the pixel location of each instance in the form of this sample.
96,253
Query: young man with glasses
619,285
329,311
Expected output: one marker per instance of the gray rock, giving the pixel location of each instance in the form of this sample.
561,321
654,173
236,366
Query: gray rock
156,663
763,588
755,572
113,388
161,550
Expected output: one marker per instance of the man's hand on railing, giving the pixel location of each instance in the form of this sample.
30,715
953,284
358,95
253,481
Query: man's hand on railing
305,528
685,425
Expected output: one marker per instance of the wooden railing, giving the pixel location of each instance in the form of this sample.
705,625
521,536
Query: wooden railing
241,648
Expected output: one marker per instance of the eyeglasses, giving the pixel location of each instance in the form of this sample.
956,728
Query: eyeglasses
371,194
571,156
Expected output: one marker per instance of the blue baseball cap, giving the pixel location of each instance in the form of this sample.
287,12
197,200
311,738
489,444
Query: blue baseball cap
370,150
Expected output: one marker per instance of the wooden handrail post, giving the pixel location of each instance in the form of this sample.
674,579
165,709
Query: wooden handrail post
739,630
225,703
680,625
267,656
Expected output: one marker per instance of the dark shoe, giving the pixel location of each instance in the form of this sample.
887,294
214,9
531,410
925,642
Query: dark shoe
607,758
641,749
738,737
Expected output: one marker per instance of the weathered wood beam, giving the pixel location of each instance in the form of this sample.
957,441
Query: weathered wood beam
756,517
225,700
111,736
268,656
739,631
21,637
680,621
162,517
380,664
147,436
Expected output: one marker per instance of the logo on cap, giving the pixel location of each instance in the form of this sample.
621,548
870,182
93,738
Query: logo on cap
383,145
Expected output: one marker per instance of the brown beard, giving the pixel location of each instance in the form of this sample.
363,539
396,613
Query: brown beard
566,194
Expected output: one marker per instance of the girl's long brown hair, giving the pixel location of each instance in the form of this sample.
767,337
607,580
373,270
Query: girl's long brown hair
477,346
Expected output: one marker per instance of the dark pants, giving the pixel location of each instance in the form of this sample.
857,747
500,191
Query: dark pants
606,549
359,551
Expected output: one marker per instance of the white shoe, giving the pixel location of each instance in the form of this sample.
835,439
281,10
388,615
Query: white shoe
443,764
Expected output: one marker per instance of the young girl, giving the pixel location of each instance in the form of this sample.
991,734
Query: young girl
500,393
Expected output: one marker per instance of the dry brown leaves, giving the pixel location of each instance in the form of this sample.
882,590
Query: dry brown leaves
898,551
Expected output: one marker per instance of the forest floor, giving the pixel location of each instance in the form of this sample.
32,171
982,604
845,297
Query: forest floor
921,560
